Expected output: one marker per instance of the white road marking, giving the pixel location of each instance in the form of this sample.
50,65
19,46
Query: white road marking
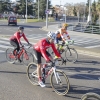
93,46
1,51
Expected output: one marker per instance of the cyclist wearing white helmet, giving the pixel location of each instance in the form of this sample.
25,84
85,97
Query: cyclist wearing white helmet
40,50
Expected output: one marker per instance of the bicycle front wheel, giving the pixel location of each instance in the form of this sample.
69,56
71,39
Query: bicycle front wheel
90,96
32,73
9,55
71,55
27,58
62,86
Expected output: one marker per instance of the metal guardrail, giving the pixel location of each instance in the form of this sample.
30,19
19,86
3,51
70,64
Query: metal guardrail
82,27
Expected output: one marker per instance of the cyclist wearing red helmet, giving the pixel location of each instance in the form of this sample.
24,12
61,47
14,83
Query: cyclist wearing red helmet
15,39
40,51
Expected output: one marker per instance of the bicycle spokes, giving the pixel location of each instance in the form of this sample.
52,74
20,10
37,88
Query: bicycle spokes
11,56
26,56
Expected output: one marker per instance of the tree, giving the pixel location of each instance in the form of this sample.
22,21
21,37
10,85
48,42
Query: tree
74,11
5,6
98,9
20,7
42,7
94,13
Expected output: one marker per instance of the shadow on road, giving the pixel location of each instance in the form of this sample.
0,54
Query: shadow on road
13,72
74,89
87,62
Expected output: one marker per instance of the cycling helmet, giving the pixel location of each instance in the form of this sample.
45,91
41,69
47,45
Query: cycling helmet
57,32
51,35
20,27
64,24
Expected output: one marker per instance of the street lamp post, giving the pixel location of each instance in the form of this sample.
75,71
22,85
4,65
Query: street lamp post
65,13
47,15
89,15
26,11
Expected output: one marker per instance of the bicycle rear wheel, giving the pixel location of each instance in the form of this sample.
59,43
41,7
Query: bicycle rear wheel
62,87
90,96
27,58
9,55
32,73
71,55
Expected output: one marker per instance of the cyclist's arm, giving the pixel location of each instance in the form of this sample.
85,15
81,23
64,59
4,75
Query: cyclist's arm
18,38
67,35
43,51
55,50
64,38
25,38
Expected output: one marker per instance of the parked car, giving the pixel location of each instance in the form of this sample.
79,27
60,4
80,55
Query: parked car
12,20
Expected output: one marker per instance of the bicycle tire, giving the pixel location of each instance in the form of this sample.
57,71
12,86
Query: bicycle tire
32,67
27,58
9,56
88,96
65,85
72,55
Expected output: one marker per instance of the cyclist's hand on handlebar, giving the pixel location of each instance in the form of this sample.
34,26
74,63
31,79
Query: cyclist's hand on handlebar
21,46
30,44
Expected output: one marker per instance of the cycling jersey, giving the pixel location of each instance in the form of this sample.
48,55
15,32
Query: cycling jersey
42,45
17,36
61,33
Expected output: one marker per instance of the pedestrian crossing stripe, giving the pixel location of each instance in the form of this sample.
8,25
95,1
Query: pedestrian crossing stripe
2,51
78,41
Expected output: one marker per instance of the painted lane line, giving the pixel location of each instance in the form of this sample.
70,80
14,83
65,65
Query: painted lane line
2,51
93,46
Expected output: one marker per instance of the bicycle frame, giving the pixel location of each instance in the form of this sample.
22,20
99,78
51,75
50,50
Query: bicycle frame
23,51
52,69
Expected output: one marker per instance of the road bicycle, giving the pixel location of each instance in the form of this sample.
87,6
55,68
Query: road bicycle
24,56
58,79
90,96
68,53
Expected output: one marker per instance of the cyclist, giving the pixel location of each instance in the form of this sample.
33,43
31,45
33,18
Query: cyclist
15,39
61,35
40,50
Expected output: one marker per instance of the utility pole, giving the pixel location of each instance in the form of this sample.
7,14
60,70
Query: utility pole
38,10
47,15
26,11
89,15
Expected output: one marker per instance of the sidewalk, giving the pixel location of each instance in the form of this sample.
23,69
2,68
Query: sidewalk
81,50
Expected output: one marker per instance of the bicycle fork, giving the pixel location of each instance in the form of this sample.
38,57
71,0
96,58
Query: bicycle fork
57,77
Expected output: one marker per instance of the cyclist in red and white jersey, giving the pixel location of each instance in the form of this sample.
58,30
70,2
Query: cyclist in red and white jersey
62,35
40,49
15,39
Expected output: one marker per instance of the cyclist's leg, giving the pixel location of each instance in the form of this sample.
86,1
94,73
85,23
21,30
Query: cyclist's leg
57,42
39,65
14,44
16,48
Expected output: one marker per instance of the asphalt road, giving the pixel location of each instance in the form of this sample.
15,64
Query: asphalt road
84,75
30,28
